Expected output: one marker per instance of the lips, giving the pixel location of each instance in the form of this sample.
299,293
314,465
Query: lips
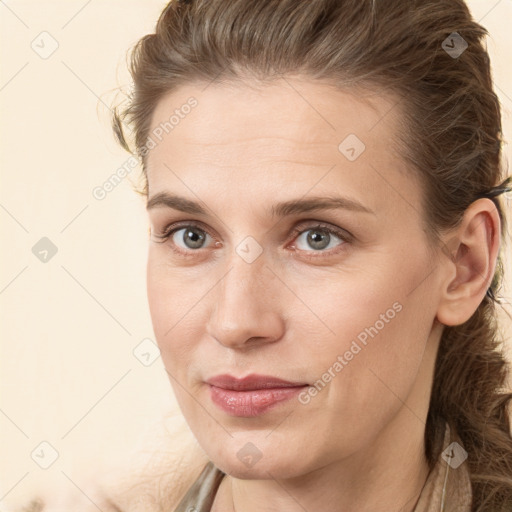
251,396
251,382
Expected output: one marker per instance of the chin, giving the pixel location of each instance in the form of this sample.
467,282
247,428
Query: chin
261,470
247,462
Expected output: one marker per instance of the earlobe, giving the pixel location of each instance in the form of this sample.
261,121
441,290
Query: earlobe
469,259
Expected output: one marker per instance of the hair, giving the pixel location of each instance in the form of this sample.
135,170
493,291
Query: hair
450,135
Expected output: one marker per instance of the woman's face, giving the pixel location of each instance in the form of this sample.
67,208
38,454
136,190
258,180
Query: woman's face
258,279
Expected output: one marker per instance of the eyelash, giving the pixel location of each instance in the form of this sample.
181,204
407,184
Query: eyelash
341,234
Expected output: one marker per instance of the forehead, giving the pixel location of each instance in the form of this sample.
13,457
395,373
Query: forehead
308,111
287,134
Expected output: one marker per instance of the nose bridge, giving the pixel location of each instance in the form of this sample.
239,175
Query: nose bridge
244,305
248,275
244,288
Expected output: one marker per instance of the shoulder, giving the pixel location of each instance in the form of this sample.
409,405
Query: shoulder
156,478
153,477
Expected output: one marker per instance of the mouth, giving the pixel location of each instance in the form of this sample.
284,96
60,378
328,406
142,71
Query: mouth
253,395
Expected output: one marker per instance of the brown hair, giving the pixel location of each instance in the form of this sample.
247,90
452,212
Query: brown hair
451,135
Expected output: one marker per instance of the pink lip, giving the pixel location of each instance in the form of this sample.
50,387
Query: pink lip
252,395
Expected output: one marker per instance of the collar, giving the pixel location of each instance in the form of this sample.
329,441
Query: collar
448,486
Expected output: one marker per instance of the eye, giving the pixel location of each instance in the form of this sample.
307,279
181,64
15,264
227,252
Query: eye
191,237
184,239
319,238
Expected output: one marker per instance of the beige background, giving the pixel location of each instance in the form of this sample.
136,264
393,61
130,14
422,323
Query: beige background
69,327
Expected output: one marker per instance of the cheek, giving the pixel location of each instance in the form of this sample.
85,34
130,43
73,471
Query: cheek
171,300
171,290
160,294
379,333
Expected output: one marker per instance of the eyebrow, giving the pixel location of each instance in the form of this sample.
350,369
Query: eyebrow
291,207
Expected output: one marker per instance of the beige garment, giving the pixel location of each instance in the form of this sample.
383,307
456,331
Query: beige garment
447,488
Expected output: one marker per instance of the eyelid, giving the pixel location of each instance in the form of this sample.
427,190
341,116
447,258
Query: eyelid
306,225
169,229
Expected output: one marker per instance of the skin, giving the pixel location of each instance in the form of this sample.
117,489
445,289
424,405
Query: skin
357,444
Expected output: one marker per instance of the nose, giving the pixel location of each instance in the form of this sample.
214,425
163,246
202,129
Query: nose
246,312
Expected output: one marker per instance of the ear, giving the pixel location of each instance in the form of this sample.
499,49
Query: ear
469,262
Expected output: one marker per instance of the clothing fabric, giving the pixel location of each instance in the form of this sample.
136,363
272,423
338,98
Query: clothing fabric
447,488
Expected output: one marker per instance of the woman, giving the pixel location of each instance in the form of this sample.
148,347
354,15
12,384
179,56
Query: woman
322,181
